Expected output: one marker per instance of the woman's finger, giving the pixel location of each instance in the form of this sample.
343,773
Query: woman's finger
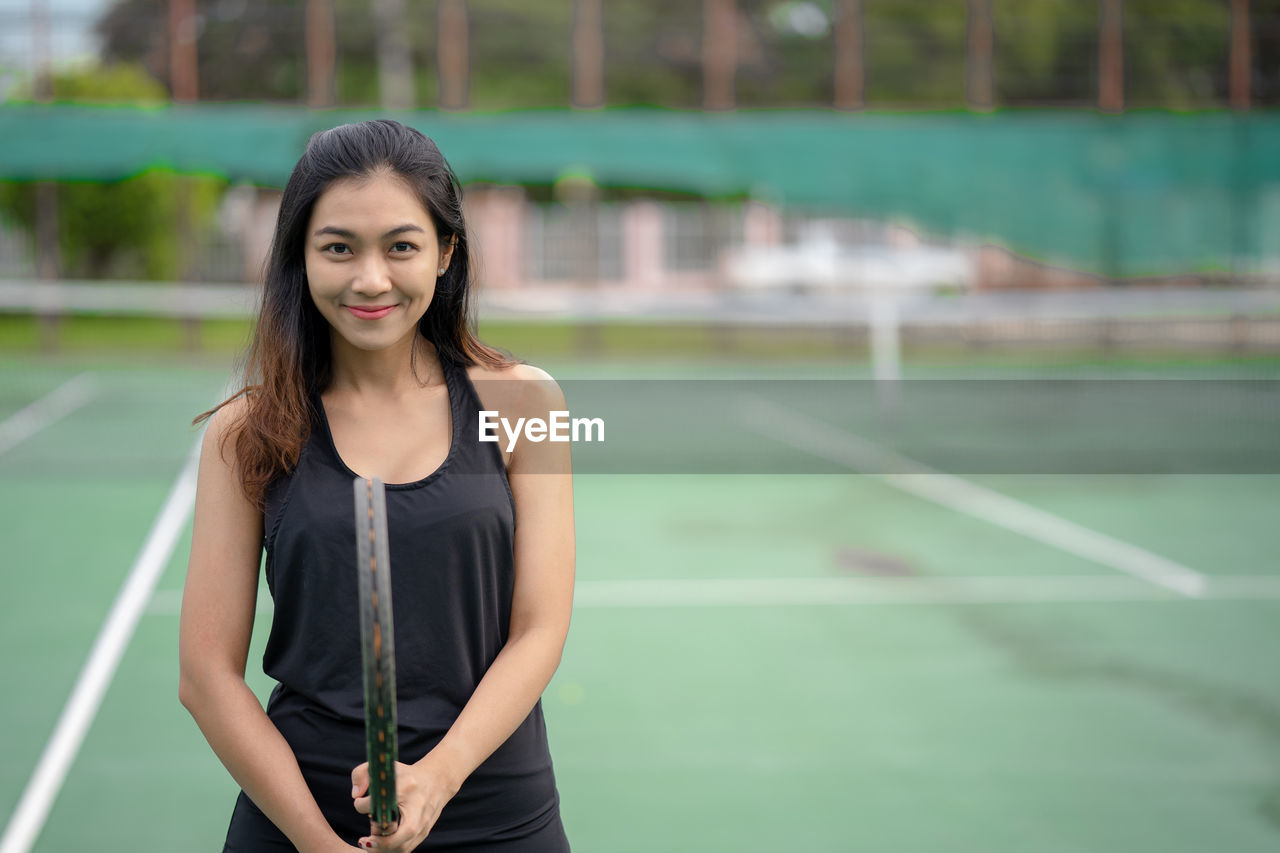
404,838
359,779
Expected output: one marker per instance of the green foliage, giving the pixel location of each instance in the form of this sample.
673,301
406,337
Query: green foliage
1176,52
120,228
914,51
652,53
1046,51
247,50
521,53
782,63
118,83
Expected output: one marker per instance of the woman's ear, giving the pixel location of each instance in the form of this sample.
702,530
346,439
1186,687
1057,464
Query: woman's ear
446,253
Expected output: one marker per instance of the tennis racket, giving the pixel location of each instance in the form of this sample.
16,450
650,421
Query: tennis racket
373,564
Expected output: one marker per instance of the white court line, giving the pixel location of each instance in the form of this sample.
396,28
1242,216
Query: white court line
844,448
49,409
817,592
51,770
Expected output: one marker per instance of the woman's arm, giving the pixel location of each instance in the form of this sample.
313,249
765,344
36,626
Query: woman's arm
542,601
217,621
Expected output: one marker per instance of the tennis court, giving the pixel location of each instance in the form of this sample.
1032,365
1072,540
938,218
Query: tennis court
802,662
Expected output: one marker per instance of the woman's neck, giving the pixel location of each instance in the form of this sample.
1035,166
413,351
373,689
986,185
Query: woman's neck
401,368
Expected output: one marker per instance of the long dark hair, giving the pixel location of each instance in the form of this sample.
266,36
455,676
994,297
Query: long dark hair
289,360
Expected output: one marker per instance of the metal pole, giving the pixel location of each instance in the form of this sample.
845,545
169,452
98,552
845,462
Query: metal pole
588,54
183,68
850,76
1111,99
42,80
184,83
1111,56
321,54
452,42
46,235
719,53
1244,196
1241,56
980,77
395,61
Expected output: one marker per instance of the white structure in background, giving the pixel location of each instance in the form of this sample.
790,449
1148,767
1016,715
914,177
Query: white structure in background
891,274
819,260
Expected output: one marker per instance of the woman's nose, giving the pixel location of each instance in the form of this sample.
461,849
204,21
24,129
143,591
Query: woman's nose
372,278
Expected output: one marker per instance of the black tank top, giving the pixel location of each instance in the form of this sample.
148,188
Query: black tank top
451,539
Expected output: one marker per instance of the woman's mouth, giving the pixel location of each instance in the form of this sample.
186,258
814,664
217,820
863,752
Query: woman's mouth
370,312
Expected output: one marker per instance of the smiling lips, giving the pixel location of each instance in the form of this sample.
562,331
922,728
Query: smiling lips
370,312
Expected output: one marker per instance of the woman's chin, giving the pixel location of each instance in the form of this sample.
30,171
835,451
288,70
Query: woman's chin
377,340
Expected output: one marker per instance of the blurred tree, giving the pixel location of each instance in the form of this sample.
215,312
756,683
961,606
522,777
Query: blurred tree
1266,51
256,51
1046,52
246,50
1176,52
521,53
652,53
119,227
915,52
786,53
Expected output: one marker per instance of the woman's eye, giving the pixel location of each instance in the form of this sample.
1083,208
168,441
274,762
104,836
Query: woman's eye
343,249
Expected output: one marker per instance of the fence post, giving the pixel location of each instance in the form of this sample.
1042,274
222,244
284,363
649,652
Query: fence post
850,76
980,75
642,251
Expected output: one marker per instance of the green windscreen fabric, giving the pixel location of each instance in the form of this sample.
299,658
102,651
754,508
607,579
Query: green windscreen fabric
1129,195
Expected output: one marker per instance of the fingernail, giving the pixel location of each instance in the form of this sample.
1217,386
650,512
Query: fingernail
354,790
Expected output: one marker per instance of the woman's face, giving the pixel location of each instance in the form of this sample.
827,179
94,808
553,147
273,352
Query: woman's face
372,260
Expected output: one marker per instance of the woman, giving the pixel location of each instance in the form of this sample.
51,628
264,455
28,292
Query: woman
363,364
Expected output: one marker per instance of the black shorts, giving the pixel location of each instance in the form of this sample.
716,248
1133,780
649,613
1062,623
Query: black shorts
253,832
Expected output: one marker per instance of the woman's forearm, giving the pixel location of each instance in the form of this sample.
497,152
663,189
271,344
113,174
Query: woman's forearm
501,702
260,760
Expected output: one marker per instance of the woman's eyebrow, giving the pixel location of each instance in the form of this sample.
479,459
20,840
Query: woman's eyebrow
342,232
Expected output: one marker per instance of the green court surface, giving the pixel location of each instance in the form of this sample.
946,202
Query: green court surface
799,662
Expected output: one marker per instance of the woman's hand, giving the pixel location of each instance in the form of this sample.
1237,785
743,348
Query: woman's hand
422,790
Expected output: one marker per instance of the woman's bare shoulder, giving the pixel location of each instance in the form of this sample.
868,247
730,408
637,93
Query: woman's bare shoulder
224,427
518,387
516,370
